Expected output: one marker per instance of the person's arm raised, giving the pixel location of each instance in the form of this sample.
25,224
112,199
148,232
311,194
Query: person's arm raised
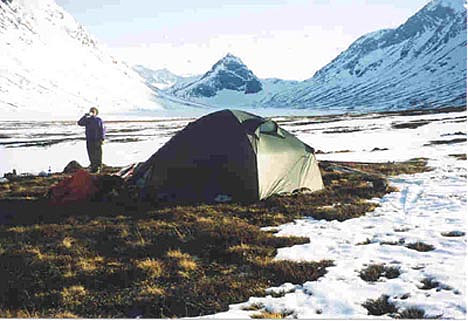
83,120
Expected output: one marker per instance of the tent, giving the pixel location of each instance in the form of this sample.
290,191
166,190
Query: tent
229,155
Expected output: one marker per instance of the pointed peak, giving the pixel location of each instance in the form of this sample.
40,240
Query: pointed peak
230,57
229,62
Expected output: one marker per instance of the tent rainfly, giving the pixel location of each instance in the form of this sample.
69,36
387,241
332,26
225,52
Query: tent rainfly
229,155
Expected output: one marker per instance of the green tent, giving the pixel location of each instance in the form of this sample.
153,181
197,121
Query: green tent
229,155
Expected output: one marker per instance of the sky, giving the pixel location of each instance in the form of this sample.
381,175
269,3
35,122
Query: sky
287,39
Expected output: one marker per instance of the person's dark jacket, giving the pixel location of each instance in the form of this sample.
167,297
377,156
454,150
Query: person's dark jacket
95,130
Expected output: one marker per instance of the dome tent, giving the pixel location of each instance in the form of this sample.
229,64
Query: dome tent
230,154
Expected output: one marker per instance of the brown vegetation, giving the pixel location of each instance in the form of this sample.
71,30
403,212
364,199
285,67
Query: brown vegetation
458,156
380,306
420,246
453,234
127,259
374,272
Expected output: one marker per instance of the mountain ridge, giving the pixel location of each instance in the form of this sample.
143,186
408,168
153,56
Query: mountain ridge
51,64
419,64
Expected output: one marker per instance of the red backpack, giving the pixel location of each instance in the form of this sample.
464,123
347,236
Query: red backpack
80,187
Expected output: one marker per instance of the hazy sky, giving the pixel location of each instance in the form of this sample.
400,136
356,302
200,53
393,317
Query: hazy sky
289,39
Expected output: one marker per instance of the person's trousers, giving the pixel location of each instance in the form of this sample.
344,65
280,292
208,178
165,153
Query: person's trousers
95,154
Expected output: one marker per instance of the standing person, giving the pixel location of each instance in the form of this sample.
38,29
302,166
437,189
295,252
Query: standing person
95,134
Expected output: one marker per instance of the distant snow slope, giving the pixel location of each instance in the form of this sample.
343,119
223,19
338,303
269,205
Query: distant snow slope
49,64
162,78
420,64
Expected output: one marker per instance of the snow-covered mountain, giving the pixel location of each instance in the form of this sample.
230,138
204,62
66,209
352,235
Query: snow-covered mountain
420,64
51,65
229,73
230,83
162,78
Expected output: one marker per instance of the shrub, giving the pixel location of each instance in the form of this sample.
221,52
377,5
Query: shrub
411,313
380,306
374,271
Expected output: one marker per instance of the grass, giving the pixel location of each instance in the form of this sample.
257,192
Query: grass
380,306
267,313
254,307
366,242
429,283
279,294
402,229
374,272
410,125
178,266
446,142
458,156
420,246
453,234
126,259
415,313
272,315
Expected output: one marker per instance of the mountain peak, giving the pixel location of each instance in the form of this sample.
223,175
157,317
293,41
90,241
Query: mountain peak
229,73
456,5
230,56
229,61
